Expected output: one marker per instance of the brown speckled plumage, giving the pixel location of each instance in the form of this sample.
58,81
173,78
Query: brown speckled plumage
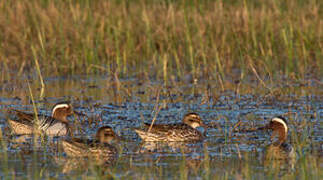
174,132
99,149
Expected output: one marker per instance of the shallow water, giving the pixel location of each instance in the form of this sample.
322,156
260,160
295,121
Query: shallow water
126,104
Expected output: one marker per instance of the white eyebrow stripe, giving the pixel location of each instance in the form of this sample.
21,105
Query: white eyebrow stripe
59,106
281,122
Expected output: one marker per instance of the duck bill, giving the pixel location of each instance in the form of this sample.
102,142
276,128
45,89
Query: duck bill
263,128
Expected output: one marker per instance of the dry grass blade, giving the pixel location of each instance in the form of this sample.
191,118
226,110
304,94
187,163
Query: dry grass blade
257,75
157,108
39,74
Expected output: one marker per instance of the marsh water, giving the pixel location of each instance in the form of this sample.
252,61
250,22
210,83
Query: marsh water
125,104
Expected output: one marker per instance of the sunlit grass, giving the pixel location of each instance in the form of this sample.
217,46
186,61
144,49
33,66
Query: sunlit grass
226,43
206,39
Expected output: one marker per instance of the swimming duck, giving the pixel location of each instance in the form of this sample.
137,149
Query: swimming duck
99,148
279,149
185,131
54,125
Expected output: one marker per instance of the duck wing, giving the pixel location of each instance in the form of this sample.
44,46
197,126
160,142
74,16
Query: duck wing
75,148
28,118
185,133
162,127
23,116
170,132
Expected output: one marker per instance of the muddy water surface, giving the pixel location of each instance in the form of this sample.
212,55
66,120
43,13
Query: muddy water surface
125,104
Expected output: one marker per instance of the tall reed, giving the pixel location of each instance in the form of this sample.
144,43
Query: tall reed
202,38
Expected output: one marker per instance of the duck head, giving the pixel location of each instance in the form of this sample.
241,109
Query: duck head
105,134
279,127
61,110
194,120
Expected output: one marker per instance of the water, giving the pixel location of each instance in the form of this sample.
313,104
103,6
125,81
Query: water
128,103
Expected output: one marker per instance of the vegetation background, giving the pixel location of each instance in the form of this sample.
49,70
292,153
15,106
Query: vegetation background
265,56
216,40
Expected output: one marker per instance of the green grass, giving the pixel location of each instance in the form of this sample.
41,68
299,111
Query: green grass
206,39
165,40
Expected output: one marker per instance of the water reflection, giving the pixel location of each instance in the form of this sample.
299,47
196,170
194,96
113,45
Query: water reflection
277,160
224,153
83,165
170,147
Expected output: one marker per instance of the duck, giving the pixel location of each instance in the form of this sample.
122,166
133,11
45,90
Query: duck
185,131
280,149
54,125
100,148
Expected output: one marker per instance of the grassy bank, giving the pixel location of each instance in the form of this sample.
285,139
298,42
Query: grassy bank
213,39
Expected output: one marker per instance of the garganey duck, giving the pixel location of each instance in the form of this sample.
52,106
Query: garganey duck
279,154
279,149
100,148
54,125
185,131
